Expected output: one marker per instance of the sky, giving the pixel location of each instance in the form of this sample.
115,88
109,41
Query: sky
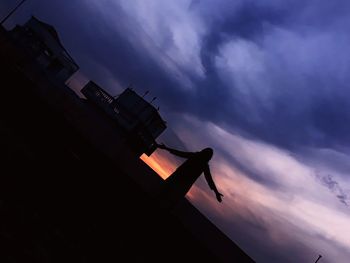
264,83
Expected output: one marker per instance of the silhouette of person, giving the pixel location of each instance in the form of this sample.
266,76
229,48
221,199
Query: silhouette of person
179,183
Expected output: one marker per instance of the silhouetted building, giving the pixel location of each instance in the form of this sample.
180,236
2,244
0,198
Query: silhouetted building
139,120
41,42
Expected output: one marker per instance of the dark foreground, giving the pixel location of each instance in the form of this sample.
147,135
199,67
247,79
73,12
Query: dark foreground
64,200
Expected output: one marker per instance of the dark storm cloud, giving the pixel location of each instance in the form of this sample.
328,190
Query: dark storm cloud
308,114
324,118
319,119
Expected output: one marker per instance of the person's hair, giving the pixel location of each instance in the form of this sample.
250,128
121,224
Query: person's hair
207,153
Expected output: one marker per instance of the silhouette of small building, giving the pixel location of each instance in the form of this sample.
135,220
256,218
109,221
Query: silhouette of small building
41,41
139,119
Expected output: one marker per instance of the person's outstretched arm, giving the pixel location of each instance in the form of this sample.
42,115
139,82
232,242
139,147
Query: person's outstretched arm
211,183
176,152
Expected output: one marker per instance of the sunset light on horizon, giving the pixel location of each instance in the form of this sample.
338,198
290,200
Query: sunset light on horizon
160,164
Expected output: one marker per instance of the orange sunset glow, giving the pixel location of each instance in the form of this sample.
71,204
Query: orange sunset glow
160,164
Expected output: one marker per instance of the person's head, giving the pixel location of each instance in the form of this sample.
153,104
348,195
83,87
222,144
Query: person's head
207,153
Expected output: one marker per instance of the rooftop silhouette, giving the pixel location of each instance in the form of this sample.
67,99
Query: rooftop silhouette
42,44
139,119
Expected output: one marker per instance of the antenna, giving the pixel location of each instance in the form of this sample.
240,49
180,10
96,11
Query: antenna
153,100
11,12
319,257
145,93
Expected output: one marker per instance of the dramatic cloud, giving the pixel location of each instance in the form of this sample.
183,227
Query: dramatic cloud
289,204
265,83
289,78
